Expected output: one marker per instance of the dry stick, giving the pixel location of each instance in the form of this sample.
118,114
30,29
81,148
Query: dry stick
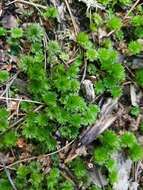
84,72
19,121
6,91
7,96
22,100
18,106
9,84
7,173
72,18
28,3
35,157
45,43
45,51
131,9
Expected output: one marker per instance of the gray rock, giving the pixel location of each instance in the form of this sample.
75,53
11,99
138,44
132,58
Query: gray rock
9,21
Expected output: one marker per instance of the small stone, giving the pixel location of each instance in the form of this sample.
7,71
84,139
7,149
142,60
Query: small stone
88,90
9,21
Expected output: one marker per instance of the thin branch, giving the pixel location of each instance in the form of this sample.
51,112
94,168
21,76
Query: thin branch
19,121
72,17
132,8
7,173
28,3
45,43
20,100
84,72
9,84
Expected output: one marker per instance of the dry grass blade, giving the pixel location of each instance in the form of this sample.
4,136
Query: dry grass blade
72,18
133,95
132,8
124,18
21,100
2,158
28,3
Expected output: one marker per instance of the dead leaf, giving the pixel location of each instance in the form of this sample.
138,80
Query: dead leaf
21,143
12,105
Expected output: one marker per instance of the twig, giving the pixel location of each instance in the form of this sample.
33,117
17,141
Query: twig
28,3
72,18
110,33
7,96
84,72
22,100
36,157
7,172
9,84
19,121
138,121
66,177
45,43
131,9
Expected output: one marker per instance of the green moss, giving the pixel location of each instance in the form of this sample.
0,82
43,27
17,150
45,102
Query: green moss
134,47
52,70
16,32
4,75
2,31
114,23
135,111
139,77
51,12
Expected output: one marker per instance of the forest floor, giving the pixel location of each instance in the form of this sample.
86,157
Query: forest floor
71,95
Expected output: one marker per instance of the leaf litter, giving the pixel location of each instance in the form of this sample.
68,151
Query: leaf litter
65,150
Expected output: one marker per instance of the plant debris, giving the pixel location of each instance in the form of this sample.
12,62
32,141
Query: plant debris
71,100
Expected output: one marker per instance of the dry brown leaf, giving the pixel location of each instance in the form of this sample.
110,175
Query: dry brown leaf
21,143
12,105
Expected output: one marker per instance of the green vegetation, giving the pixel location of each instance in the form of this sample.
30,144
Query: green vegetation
114,23
135,111
134,47
51,58
4,75
139,77
110,145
